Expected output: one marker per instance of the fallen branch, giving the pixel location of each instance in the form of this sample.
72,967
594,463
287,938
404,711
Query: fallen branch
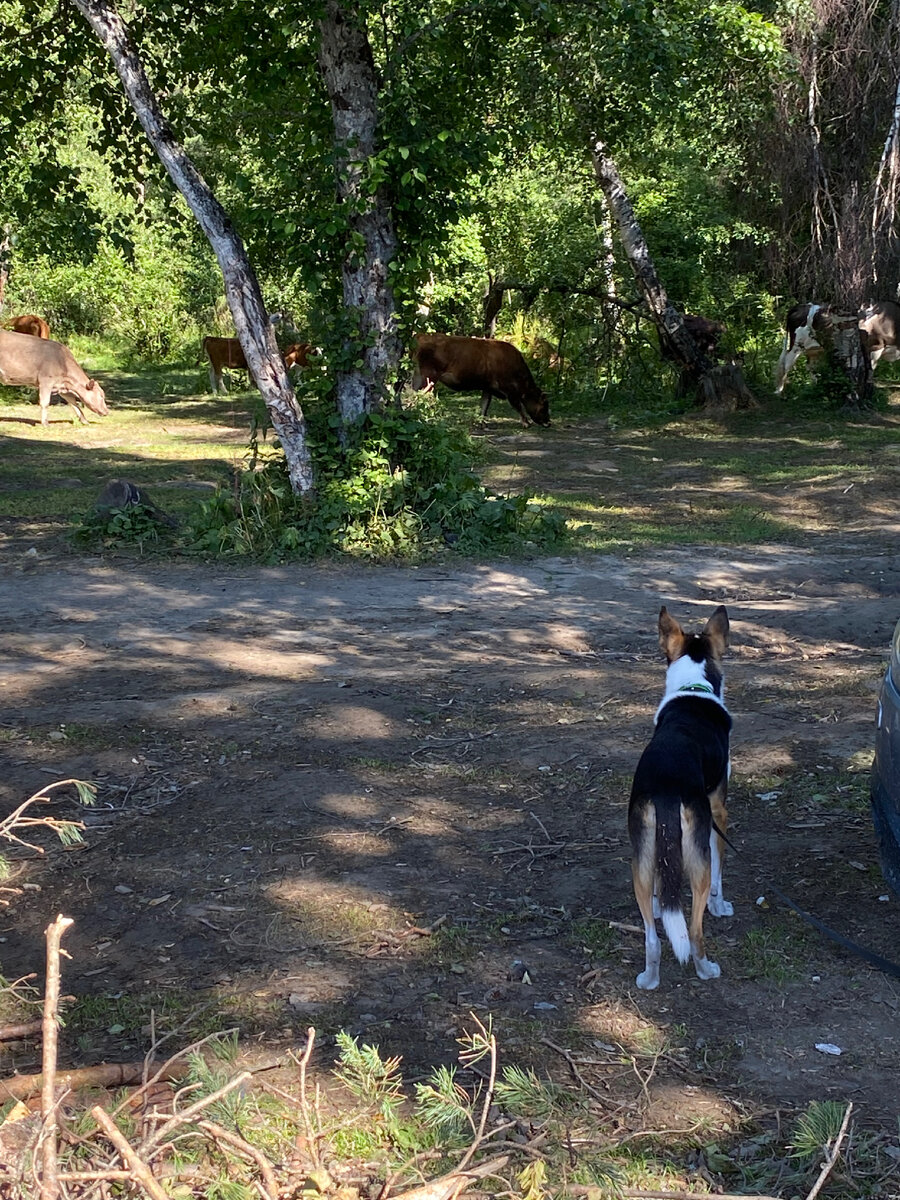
589,1192
448,1187
103,1075
50,1029
67,831
219,1134
12,1033
312,1142
183,1117
580,1079
140,1172
832,1155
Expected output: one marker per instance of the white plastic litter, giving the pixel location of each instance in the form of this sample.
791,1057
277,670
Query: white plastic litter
828,1048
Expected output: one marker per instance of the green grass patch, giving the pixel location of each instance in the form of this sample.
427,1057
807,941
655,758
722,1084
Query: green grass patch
774,953
593,935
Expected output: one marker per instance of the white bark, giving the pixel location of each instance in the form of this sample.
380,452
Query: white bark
668,320
254,332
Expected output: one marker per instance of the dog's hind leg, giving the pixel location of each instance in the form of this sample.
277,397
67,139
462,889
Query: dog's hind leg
648,979
717,904
698,871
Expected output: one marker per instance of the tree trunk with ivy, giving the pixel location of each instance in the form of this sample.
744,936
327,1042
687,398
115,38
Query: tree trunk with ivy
847,352
5,263
372,345
242,290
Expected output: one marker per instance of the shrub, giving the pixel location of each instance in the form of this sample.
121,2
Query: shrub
402,486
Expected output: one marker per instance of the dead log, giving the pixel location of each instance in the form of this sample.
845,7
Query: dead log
103,1075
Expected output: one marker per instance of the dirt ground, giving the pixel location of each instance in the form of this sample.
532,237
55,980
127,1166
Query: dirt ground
298,768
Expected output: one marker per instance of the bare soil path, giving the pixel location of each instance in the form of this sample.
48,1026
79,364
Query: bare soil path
297,765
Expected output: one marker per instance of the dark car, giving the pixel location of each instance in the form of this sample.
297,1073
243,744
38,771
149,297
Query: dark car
886,769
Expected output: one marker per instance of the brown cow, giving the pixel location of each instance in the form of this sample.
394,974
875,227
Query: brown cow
225,352
298,354
492,367
706,335
48,366
29,323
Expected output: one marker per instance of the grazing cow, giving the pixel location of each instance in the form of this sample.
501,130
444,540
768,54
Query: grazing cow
806,325
29,323
48,366
480,364
225,352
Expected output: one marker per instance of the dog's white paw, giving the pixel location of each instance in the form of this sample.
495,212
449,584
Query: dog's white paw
648,980
707,969
720,907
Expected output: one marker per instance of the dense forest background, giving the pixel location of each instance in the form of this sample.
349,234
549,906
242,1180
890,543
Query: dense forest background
757,141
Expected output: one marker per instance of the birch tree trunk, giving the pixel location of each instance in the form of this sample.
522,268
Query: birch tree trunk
672,334
251,322
348,71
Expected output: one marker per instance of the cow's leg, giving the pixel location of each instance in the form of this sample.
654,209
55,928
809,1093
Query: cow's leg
220,381
876,354
516,402
45,391
785,363
486,398
77,411
213,382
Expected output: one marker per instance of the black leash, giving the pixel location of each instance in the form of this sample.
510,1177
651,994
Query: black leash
880,964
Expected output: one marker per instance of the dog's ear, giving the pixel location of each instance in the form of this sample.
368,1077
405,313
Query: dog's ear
717,628
671,635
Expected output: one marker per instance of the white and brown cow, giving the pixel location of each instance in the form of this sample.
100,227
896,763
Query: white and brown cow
27,361
806,324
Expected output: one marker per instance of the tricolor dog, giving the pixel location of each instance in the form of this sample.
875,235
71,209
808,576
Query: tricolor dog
678,797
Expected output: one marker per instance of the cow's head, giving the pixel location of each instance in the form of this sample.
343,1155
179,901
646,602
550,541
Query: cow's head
95,398
298,354
538,408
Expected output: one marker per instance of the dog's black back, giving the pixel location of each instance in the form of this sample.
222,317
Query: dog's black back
685,760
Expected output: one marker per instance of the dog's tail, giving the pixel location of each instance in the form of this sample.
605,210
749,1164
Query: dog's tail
670,870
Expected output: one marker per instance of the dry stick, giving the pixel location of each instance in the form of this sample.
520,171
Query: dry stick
95,1176
140,1171
485,1109
311,1140
183,1117
49,1181
232,1139
832,1155
578,1076
448,1187
662,1194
